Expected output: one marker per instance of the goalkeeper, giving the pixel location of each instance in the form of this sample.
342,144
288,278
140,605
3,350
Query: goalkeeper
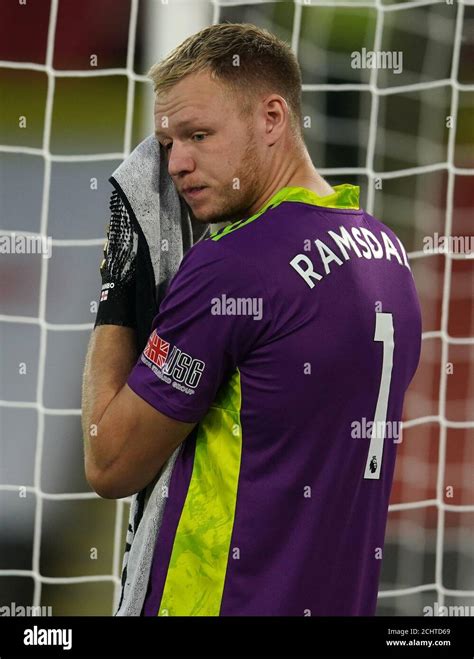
278,335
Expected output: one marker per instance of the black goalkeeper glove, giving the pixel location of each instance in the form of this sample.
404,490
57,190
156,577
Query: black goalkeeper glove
118,269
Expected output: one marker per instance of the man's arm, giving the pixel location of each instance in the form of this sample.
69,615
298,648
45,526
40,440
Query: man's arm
118,460
126,441
110,358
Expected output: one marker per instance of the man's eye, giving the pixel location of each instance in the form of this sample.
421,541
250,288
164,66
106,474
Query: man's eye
198,135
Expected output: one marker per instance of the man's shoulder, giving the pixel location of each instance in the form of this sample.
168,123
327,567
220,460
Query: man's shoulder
376,223
213,253
226,265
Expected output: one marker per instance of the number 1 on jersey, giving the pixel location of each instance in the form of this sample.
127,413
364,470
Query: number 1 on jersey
384,333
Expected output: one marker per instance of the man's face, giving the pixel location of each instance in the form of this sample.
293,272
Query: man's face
213,158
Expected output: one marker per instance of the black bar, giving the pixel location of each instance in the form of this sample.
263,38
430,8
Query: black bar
237,637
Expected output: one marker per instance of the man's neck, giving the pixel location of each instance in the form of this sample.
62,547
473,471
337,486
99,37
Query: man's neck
313,182
304,175
300,174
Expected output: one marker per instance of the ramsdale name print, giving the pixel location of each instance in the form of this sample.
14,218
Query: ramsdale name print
21,243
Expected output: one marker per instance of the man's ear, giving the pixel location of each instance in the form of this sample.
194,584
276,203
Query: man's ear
277,114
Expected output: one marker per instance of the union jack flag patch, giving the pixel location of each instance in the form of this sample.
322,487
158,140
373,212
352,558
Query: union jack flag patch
156,350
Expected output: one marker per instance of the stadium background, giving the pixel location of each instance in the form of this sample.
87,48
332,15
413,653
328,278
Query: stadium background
61,545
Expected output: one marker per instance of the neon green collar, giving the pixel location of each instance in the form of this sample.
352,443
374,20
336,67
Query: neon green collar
345,196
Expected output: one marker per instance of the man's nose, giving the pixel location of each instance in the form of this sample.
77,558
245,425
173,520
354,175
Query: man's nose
179,160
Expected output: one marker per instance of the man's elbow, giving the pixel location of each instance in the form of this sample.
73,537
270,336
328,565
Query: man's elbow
107,488
105,484
100,472
115,482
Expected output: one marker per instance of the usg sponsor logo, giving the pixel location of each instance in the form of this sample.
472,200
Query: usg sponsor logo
173,366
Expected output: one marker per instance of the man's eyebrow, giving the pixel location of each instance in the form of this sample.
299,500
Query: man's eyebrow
179,126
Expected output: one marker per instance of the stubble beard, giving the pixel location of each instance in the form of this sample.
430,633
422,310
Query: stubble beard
234,203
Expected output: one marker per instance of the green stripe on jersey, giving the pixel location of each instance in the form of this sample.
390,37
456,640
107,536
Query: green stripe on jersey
196,572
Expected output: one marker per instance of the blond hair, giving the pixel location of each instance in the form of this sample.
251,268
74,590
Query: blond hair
243,57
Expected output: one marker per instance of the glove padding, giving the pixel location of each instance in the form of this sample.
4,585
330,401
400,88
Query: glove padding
118,269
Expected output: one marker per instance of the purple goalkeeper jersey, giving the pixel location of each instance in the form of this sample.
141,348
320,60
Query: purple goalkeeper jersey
290,338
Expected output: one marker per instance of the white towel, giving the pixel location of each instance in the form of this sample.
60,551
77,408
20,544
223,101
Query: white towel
151,198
